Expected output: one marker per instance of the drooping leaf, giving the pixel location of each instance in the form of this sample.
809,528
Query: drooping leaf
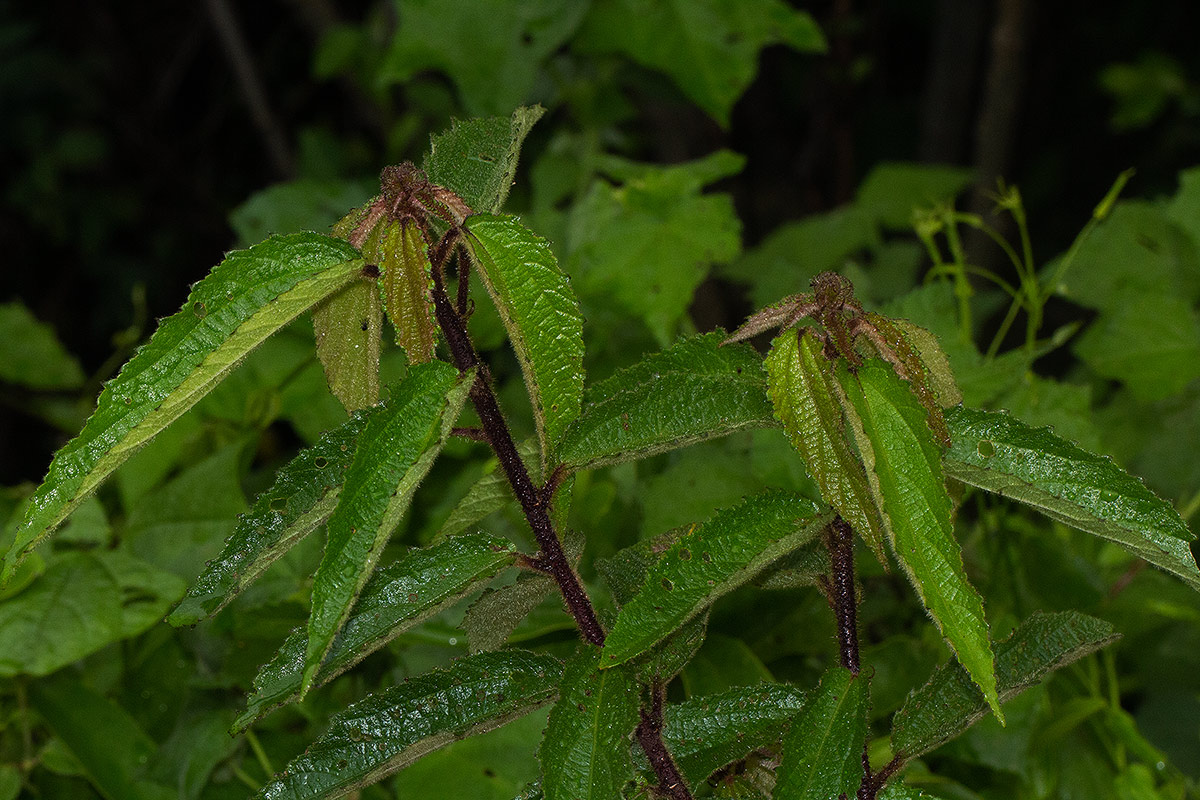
488,495
708,562
347,328
395,451
541,315
495,615
34,356
949,702
585,751
407,289
823,750
805,398
391,729
692,391
907,463
477,159
396,598
246,298
993,451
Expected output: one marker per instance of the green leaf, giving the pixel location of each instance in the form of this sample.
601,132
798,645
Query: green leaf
407,287
949,702
585,751
302,205
806,400
395,451
822,753
303,496
693,391
907,462
34,356
495,615
706,733
347,328
541,315
246,298
709,561
397,597
709,48
995,452
892,191
389,730
477,159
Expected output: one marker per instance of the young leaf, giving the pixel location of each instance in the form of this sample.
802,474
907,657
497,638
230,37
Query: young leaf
246,298
693,391
996,452
303,496
949,702
542,317
347,328
389,730
396,598
407,289
806,401
823,750
709,561
907,462
395,451
477,158
585,751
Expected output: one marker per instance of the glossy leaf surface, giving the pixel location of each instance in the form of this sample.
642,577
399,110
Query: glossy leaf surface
542,318
693,391
585,751
823,750
996,452
709,561
246,298
390,729
396,598
395,451
907,462
949,702
477,158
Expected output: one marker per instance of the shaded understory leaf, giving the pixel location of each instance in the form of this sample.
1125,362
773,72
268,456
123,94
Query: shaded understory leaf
395,451
41,362
585,751
246,298
949,702
496,614
388,730
303,496
477,159
907,462
822,752
692,391
709,561
396,598
347,328
996,452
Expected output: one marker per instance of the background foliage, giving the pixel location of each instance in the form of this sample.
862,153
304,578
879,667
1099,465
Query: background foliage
697,160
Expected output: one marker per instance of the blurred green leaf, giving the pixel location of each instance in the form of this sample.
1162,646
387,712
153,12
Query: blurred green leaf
491,619
295,206
893,190
33,356
823,750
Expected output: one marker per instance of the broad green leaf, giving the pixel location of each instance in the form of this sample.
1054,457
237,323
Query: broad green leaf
406,289
33,355
303,496
710,48
477,159
995,452
690,392
307,204
950,702
397,597
246,298
706,733
395,451
709,561
722,663
907,462
541,315
823,750
898,791
347,328
585,750
805,397
892,191
389,730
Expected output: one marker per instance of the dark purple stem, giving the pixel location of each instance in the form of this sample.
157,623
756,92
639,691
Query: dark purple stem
649,736
845,604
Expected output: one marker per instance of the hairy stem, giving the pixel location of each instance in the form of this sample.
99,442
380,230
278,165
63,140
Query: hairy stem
840,542
649,736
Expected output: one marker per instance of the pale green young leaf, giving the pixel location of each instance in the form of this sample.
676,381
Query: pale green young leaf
302,497
393,728
542,317
709,561
396,598
395,451
347,328
585,751
950,702
33,355
998,453
805,397
907,464
407,289
246,298
823,750
477,159
693,391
